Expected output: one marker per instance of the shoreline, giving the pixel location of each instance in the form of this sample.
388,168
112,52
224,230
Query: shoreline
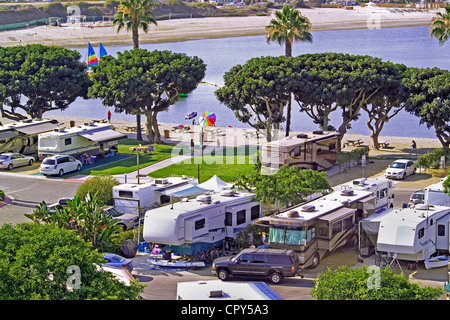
178,30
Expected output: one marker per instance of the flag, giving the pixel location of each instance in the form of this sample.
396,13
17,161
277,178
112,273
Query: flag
102,51
92,57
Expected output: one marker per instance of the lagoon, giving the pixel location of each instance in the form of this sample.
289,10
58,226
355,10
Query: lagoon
411,46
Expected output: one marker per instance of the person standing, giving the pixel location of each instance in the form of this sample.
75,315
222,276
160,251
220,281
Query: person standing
192,147
414,147
108,114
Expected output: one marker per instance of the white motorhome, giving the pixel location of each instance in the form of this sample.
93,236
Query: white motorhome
128,197
412,234
90,138
317,150
381,188
22,137
192,225
221,290
318,227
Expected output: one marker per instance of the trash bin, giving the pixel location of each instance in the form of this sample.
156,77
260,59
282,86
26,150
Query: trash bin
166,133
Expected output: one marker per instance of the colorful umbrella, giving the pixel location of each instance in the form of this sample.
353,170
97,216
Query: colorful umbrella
190,115
207,119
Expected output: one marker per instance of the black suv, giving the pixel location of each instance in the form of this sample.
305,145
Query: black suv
272,264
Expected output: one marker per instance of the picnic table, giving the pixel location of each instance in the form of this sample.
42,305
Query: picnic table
132,128
355,142
145,149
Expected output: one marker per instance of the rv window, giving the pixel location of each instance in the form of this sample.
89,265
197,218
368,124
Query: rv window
276,235
67,141
295,236
323,232
348,222
332,146
125,194
240,217
2,140
200,224
421,233
228,219
383,193
311,233
441,230
254,213
336,227
297,151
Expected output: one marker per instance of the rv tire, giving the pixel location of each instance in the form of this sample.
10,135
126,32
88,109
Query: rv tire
275,278
223,274
315,260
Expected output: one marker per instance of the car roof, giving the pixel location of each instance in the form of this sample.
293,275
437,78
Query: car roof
403,160
267,251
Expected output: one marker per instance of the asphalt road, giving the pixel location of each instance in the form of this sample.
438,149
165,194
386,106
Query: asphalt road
28,191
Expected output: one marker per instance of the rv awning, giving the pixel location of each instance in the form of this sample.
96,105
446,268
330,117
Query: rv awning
184,191
103,135
337,214
7,134
367,199
37,128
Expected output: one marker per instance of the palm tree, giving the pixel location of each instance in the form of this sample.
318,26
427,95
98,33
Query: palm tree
440,25
135,15
288,26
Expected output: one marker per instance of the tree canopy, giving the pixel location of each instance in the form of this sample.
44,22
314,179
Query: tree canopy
257,92
42,261
37,79
145,82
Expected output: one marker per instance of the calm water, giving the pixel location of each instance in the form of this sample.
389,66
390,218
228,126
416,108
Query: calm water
411,46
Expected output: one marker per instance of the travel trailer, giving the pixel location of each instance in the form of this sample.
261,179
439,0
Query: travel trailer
435,195
412,234
90,138
129,197
318,227
317,150
193,225
22,137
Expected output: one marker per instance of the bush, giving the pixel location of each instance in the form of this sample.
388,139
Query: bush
102,185
432,159
2,195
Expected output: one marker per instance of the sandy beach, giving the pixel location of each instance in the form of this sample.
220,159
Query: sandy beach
200,28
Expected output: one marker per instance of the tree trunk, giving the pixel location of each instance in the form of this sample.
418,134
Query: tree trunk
157,134
148,127
138,127
135,34
288,117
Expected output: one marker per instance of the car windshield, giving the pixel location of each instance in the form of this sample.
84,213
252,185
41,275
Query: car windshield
48,161
417,196
119,258
398,165
114,212
3,157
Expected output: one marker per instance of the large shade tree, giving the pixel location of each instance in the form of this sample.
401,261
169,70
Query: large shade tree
257,92
35,79
134,15
289,26
145,82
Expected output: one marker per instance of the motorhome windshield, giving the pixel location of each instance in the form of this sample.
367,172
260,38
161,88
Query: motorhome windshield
288,235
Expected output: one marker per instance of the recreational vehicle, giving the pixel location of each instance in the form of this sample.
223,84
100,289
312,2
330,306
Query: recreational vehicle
318,227
128,197
435,195
90,138
381,188
317,150
193,225
412,234
22,137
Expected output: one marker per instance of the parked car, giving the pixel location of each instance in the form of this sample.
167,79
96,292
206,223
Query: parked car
272,264
59,165
62,202
127,220
417,197
123,275
114,260
400,169
13,160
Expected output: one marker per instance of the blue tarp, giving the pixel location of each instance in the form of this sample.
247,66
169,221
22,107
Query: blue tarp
190,191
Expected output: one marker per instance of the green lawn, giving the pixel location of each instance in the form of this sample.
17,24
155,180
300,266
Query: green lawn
162,151
227,165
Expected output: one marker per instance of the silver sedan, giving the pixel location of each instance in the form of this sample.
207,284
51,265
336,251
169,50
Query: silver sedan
12,160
